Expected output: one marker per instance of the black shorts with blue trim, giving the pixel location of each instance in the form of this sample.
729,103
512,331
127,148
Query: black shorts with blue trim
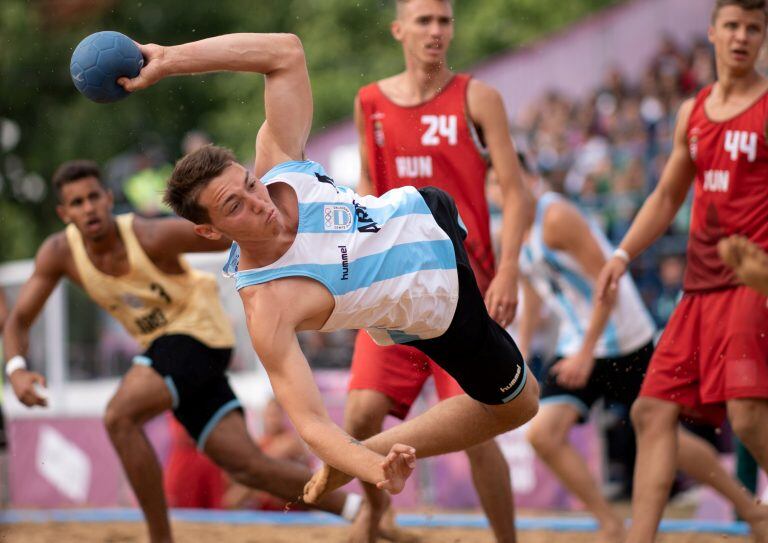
616,379
195,375
475,350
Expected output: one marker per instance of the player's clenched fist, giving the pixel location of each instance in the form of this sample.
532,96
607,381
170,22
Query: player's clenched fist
25,385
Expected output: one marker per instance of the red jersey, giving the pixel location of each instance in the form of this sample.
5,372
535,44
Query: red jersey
433,143
730,189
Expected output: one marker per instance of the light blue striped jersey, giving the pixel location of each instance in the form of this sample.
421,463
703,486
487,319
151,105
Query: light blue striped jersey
389,266
561,282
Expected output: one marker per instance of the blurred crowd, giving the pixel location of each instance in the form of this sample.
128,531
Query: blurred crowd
606,153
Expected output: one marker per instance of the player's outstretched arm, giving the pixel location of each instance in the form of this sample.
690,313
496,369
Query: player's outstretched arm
32,297
364,186
273,333
487,110
171,237
659,209
280,57
565,229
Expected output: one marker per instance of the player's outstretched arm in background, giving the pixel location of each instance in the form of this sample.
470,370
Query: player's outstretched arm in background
659,209
364,186
487,111
274,311
32,297
287,93
565,229
530,317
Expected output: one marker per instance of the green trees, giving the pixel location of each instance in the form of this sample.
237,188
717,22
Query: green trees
347,44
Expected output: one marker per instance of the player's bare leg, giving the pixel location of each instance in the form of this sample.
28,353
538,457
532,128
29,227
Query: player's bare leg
142,395
699,459
231,447
747,417
364,415
492,480
549,436
655,423
748,260
432,432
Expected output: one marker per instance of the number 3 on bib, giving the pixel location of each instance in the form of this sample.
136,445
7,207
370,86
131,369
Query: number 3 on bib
438,126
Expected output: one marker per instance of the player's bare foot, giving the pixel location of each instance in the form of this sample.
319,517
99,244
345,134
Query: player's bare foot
748,261
377,519
389,530
398,466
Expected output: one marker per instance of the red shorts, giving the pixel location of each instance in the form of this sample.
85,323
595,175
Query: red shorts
398,371
714,349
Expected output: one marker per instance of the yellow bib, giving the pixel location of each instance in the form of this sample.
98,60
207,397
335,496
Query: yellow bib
150,303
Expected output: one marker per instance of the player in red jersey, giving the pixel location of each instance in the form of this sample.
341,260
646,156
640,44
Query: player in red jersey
713,356
429,126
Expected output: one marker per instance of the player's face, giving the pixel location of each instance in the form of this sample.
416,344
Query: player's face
737,35
425,28
239,206
88,205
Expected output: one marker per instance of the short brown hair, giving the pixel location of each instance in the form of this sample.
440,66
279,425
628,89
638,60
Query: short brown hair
747,5
75,170
399,4
191,175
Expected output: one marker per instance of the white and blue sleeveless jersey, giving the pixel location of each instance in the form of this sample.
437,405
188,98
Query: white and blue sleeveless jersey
389,266
561,282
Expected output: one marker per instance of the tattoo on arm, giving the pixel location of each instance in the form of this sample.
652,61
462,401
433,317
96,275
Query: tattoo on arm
354,441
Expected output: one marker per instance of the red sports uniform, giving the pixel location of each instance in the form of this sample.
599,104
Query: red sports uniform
715,347
433,143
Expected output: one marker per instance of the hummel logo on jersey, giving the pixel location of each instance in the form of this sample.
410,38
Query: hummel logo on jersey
740,141
512,382
364,222
344,262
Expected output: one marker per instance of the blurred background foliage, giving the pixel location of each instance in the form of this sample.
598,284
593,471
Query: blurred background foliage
347,44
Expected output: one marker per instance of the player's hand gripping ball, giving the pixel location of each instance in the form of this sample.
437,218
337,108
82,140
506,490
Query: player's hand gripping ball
99,60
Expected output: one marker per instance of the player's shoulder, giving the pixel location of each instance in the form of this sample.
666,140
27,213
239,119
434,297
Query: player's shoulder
484,100
54,253
686,109
559,220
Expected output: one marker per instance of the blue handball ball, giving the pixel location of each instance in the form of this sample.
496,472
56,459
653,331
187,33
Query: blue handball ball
99,60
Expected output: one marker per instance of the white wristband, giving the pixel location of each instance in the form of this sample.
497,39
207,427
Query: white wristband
622,254
15,363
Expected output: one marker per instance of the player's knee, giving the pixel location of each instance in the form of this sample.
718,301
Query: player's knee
540,440
644,414
484,453
364,415
746,418
117,421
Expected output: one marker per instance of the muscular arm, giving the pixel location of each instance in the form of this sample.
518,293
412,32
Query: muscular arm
364,186
49,268
565,229
287,94
172,237
272,321
660,207
487,111
529,319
